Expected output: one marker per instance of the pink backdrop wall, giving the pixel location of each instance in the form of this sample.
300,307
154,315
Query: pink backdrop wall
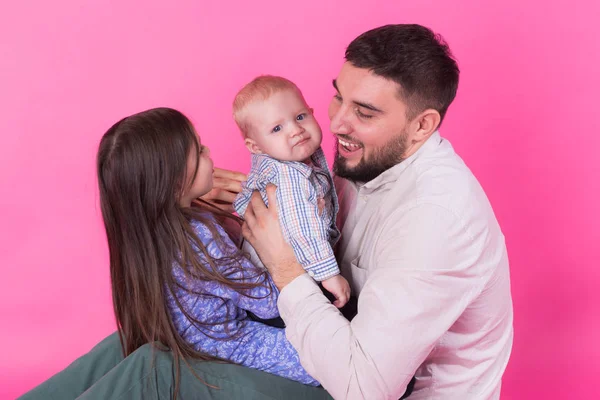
525,120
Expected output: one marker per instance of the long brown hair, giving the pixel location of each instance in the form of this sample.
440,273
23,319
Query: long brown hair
142,163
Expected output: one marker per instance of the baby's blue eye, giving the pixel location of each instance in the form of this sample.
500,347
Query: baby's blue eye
276,129
300,117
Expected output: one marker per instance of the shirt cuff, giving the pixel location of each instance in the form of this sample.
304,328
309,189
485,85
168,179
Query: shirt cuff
323,269
294,293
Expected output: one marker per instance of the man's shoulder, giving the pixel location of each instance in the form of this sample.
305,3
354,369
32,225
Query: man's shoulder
448,175
447,182
439,179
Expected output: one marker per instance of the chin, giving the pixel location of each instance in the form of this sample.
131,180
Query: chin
204,191
342,161
304,153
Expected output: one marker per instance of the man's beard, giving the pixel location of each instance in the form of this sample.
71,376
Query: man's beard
380,161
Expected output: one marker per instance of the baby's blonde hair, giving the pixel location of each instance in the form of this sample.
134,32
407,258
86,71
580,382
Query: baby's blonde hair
259,89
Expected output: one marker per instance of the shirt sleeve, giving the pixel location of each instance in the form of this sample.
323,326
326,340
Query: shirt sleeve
424,277
302,224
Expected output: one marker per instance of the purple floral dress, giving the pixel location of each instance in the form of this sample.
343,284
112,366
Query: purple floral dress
231,334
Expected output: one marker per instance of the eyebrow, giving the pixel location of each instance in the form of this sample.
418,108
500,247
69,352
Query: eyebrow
304,109
358,103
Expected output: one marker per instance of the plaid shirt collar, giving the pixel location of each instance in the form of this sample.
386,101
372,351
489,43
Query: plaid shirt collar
319,162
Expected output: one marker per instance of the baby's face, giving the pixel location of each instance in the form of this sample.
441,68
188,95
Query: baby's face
283,127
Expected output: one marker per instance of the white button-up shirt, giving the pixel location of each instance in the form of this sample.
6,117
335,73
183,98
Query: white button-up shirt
423,252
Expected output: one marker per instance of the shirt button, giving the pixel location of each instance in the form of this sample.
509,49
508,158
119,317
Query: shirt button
311,273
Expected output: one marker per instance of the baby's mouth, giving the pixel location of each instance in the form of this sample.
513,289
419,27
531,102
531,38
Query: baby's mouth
302,141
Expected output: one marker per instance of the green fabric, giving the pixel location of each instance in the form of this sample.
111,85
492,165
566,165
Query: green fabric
149,374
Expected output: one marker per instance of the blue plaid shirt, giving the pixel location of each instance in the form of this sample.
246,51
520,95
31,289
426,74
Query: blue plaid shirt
299,187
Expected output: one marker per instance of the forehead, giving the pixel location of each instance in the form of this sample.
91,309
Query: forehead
278,105
363,86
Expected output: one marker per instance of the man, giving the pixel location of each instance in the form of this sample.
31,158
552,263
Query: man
420,243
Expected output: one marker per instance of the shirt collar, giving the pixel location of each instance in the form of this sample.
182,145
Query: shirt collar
394,173
319,162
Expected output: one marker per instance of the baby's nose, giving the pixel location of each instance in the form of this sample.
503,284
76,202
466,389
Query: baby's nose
297,130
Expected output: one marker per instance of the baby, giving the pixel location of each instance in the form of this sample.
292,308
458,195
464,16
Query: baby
284,138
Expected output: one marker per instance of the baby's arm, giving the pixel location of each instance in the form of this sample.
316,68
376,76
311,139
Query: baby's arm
298,208
299,211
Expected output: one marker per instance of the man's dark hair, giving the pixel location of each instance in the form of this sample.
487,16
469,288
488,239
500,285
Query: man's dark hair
414,57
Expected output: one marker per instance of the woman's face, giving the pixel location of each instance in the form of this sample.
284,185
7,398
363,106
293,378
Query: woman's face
203,182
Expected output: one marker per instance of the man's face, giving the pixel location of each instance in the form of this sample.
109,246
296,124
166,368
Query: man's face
368,118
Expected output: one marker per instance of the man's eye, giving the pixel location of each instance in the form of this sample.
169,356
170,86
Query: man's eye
362,115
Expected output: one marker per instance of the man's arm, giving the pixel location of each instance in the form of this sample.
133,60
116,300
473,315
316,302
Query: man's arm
422,282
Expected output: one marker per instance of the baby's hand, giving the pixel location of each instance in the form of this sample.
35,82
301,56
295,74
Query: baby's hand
321,205
340,288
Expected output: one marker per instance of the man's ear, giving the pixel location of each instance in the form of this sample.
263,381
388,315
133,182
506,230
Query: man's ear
252,146
425,124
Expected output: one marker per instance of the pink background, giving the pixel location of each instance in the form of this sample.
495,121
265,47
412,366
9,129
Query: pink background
525,120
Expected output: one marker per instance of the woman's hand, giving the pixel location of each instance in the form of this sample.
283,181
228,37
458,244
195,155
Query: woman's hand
263,231
226,185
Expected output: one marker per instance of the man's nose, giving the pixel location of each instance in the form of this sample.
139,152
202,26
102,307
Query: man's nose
339,121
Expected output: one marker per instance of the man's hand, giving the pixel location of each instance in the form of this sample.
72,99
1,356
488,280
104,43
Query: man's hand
226,185
339,287
263,231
